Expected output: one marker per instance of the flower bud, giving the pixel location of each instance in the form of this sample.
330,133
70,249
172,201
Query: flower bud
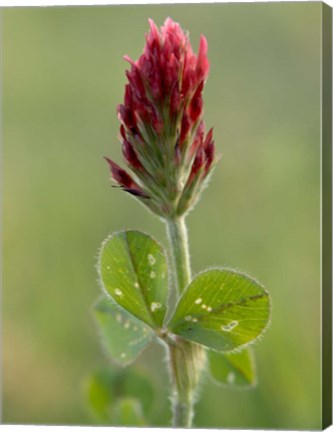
162,130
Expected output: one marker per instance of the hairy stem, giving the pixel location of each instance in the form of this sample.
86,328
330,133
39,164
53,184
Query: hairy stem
186,359
177,234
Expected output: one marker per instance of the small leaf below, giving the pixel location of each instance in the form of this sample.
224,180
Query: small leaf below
128,412
133,270
123,335
99,394
233,369
107,389
222,309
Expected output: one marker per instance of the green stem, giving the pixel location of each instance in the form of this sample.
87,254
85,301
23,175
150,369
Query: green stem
186,359
182,414
177,234
182,405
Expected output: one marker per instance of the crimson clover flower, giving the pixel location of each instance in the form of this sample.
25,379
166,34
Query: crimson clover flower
162,132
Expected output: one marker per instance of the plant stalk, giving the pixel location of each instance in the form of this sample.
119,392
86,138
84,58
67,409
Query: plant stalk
177,234
186,359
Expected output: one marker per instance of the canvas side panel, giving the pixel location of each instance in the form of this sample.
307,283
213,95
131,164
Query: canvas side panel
326,216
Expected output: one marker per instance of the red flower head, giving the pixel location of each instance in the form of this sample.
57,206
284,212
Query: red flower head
162,131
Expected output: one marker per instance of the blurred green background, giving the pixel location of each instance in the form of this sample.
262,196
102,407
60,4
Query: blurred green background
63,75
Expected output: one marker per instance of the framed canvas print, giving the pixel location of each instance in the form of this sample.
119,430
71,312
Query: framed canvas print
166,208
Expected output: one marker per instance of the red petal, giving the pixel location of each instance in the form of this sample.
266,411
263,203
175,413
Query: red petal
209,137
197,164
196,104
129,60
120,175
186,125
202,68
175,100
122,131
130,155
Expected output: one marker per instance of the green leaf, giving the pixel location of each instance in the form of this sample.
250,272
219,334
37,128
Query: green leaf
123,335
134,384
222,309
133,271
233,369
98,389
128,412
106,387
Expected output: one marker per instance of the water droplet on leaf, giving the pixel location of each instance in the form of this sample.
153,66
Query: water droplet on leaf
230,326
127,324
151,259
231,378
154,306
